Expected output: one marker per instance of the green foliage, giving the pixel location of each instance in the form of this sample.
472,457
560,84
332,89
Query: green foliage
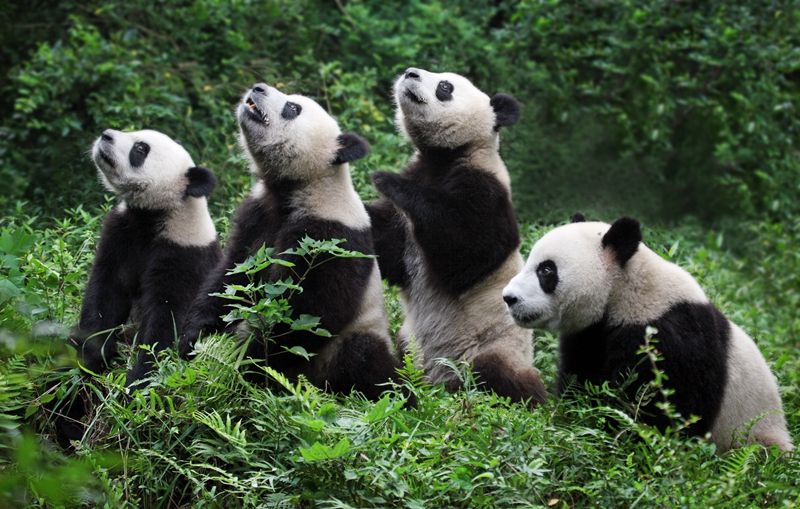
659,109
656,108
201,435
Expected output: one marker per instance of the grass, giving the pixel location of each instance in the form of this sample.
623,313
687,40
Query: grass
202,436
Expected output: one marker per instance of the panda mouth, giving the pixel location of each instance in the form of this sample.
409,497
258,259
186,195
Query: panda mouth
255,112
410,94
106,158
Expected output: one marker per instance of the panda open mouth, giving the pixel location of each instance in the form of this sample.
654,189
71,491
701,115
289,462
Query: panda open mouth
255,112
414,96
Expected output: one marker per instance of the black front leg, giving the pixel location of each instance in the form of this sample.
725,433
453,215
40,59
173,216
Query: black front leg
106,307
206,311
419,201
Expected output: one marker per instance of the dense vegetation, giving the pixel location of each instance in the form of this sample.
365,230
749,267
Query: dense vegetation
682,113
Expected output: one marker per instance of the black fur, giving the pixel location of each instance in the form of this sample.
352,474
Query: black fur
462,217
492,370
332,291
201,182
389,235
362,363
444,91
138,154
547,273
351,148
693,339
623,238
136,270
577,218
506,110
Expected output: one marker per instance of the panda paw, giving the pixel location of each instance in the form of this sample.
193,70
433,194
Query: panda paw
186,344
386,183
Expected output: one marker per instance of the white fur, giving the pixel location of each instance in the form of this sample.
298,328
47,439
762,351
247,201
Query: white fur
593,285
333,197
158,184
301,148
460,329
751,407
190,225
467,119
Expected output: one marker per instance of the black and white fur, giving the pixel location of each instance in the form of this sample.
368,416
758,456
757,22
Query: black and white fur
446,233
300,157
155,247
600,287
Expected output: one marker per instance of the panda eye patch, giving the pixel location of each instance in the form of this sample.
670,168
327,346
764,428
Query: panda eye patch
444,91
547,272
291,110
139,153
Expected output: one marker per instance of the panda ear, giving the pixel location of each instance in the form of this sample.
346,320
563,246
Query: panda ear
201,182
506,110
351,147
623,238
577,218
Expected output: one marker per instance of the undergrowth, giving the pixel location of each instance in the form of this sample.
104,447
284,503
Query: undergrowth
202,436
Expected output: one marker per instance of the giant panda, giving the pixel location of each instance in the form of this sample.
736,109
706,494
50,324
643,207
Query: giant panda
155,246
600,287
446,234
301,160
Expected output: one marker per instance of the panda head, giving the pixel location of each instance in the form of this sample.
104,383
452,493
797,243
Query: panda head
446,111
149,170
291,137
570,274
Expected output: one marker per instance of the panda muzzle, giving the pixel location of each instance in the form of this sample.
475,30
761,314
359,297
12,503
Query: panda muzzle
256,112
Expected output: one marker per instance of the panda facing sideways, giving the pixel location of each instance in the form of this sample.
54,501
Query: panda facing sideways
155,247
600,287
446,234
300,157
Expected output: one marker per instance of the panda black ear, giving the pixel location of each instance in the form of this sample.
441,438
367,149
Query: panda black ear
351,147
577,218
506,110
201,182
623,238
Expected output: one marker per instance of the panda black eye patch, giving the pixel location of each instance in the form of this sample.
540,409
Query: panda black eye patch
291,110
138,153
444,90
547,272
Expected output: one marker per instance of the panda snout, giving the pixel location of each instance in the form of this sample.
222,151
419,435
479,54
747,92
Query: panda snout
107,136
412,74
510,299
260,88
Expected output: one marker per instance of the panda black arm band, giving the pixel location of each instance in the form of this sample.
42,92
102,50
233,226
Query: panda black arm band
206,311
389,237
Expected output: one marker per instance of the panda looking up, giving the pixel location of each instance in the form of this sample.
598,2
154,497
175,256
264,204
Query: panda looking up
300,157
446,233
600,287
156,245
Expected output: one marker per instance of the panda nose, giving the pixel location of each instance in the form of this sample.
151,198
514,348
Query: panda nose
106,136
260,88
412,74
510,299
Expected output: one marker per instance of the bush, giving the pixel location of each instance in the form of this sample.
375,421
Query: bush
655,108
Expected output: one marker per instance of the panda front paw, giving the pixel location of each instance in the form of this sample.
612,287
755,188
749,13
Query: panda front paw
187,341
386,183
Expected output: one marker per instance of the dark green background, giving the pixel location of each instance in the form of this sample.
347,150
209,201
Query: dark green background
658,109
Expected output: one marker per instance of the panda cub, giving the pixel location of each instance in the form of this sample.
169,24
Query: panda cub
155,247
600,287
300,157
446,233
